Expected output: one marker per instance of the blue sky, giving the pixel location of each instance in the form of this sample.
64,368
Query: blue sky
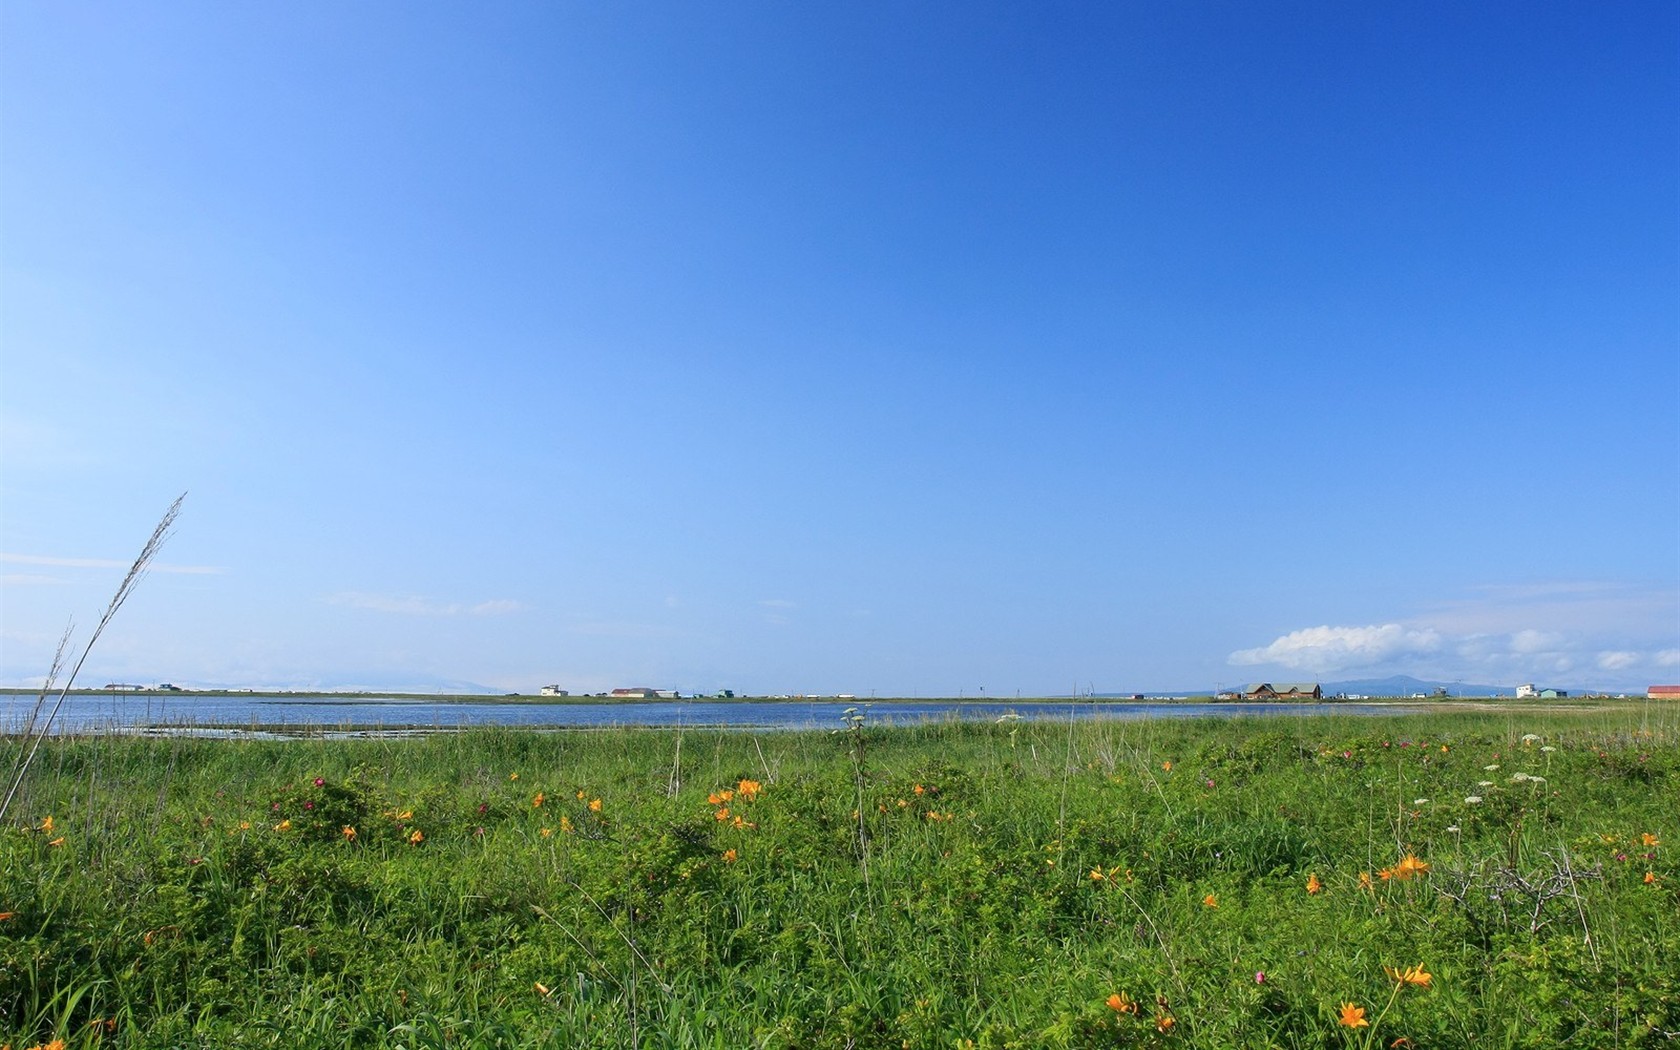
906,348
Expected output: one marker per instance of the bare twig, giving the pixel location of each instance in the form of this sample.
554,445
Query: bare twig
135,573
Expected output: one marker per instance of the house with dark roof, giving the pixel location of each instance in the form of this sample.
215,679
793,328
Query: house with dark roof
1284,691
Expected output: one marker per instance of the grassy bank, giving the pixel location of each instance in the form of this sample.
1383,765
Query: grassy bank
1209,883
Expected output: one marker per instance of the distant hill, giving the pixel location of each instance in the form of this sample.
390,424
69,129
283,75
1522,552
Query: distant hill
1406,685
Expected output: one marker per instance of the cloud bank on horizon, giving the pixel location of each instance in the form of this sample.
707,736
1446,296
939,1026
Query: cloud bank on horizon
1590,633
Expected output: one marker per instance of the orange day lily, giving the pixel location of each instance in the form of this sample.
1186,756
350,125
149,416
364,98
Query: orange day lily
1210,901
1313,885
1416,976
1121,1003
1353,1016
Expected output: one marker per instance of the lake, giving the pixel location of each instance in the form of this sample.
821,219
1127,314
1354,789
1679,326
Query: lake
223,714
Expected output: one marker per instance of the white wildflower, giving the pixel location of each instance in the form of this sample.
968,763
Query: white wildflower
1472,799
1491,768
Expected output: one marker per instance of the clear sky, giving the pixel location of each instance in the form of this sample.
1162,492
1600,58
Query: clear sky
915,348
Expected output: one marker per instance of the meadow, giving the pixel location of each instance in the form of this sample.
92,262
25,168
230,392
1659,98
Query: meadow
1448,880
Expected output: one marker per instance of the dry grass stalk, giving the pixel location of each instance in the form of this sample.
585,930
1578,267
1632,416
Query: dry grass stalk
37,728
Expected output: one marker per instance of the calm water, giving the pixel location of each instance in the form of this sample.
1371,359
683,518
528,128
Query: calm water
252,712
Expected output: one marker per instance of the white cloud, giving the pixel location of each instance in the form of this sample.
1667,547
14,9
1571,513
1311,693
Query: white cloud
1532,641
1327,648
778,603
414,605
1617,659
108,563
1581,635
30,579
496,607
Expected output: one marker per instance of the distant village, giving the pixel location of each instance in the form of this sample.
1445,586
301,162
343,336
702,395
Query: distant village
1253,692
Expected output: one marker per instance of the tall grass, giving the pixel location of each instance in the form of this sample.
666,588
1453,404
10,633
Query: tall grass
37,728
206,892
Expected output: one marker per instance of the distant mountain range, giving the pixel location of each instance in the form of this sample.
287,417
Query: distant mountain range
1406,685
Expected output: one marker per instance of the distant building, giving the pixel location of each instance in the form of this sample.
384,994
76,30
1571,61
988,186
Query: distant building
1663,692
1526,691
554,690
642,692
1553,694
1284,691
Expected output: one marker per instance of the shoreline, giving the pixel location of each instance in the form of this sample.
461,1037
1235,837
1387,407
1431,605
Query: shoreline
332,697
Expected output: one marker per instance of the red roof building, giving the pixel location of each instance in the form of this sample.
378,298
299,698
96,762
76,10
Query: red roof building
1663,692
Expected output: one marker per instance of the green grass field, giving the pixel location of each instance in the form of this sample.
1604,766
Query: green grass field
1447,880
